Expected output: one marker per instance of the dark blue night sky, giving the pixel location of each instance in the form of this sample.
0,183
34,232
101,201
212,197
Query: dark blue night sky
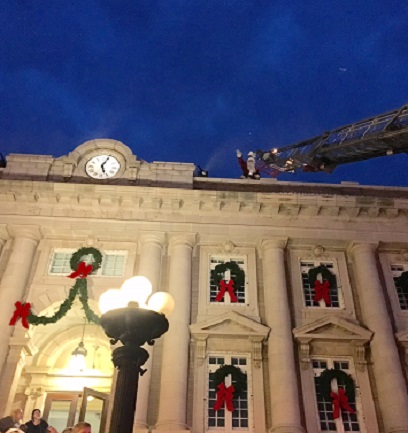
194,80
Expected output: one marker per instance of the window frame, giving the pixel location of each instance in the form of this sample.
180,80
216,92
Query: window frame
315,372
223,258
228,355
99,273
398,296
322,305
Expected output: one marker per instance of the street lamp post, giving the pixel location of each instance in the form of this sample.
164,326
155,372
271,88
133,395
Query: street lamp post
133,325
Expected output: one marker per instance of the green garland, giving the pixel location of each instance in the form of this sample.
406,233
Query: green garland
325,273
403,282
239,378
343,379
79,289
217,274
78,255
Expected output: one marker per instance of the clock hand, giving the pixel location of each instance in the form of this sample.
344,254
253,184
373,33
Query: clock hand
102,166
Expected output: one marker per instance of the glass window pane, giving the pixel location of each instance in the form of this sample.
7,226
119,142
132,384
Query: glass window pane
59,413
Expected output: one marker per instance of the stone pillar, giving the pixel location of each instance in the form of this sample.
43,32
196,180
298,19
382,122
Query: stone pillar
284,389
20,347
391,386
150,267
173,389
13,285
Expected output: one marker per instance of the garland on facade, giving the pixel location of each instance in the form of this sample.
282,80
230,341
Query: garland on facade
322,289
218,276
81,270
403,282
346,390
224,394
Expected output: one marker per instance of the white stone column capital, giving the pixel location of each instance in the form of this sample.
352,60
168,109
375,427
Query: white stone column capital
355,248
156,238
182,239
274,244
30,232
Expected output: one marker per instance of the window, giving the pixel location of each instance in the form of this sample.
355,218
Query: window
348,420
222,419
239,289
113,263
397,270
336,298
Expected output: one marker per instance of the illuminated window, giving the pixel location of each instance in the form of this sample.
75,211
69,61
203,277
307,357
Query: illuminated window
348,420
113,263
336,296
222,419
239,287
397,270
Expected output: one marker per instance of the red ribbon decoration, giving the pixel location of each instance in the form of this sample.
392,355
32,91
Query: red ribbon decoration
322,291
223,288
82,272
23,311
340,400
224,395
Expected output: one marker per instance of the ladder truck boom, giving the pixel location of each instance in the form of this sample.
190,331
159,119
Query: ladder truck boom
386,134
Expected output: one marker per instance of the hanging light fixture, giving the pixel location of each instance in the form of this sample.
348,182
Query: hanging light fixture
78,361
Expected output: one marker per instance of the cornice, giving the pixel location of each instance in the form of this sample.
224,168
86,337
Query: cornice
135,202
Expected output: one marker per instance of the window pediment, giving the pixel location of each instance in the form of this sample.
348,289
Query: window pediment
332,329
229,325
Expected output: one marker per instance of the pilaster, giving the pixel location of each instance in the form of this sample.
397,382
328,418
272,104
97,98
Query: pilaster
392,397
281,362
173,389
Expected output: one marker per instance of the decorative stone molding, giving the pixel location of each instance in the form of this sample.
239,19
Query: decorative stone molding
402,338
276,244
256,351
318,251
201,349
182,239
404,254
332,330
31,232
228,247
33,392
156,238
362,247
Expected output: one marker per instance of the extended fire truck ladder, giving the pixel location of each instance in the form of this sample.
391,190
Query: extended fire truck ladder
386,134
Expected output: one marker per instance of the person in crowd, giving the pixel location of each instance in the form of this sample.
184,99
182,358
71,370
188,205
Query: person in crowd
52,429
12,421
68,430
36,424
82,427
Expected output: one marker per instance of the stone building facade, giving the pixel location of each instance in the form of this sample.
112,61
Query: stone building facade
160,221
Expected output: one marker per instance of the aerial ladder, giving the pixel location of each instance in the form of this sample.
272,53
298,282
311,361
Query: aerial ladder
386,134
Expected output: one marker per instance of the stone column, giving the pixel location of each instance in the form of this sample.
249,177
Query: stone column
20,347
284,389
13,284
173,389
391,386
150,267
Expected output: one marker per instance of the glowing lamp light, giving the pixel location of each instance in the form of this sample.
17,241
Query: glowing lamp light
162,303
111,300
134,292
78,361
136,289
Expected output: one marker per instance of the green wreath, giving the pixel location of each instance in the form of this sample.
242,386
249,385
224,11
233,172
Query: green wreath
343,379
78,255
237,274
80,289
325,273
239,378
403,282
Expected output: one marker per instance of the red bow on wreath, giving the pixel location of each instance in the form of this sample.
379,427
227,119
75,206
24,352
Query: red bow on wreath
224,395
23,311
223,288
340,400
322,291
82,272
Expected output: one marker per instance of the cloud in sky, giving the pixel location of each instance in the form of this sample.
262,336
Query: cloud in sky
182,80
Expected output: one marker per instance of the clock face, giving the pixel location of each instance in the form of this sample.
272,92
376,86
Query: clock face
102,167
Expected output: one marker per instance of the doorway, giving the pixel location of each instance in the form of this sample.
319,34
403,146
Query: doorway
65,409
